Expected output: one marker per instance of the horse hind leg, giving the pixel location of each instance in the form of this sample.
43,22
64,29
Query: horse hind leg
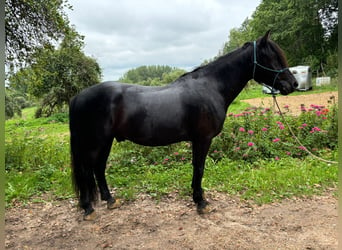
101,178
83,180
104,191
87,194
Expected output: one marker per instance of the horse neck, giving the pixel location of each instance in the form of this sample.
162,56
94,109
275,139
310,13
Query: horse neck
232,72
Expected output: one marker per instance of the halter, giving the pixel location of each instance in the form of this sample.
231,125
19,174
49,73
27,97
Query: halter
266,68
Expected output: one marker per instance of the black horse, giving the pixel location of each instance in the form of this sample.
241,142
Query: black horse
192,108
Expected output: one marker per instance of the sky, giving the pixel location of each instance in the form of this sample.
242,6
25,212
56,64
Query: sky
125,34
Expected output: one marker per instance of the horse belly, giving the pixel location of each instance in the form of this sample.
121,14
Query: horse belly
155,129
152,134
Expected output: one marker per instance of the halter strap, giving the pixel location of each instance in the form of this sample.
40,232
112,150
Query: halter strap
255,62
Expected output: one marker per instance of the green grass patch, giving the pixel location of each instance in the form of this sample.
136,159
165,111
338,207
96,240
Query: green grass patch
263,181
155,180
38,159
269,181
22,185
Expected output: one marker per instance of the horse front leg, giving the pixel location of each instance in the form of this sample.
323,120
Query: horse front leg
199,154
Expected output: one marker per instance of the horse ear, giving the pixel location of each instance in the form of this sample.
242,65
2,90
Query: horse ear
266,37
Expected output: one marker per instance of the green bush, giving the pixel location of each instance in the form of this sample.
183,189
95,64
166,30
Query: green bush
259,133
32,152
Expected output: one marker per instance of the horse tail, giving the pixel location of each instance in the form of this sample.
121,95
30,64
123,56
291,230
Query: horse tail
82,171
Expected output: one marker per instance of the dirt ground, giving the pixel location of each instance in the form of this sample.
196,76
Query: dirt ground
294,102
173,223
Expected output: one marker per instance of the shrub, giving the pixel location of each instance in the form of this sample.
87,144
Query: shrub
260,133
31,152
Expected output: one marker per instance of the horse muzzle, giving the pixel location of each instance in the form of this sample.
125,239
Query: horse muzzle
287,88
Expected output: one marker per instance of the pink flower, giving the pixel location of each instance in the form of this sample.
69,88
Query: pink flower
250,132
241,129
250,144
302,147
276,140
280,124
277,158
176,153
264,129
288,153
315,129
246,112
304,124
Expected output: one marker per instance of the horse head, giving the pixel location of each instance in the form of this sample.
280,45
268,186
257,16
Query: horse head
270,66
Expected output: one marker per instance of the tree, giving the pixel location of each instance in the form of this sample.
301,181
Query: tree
171,76
237,37
16,95
305,29
58,74
12,105
30,24
148,75
295,26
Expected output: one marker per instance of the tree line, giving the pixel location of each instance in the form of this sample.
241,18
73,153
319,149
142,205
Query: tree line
46,63
153,75
307,30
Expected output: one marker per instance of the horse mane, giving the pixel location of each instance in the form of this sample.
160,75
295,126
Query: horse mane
218,61
280,53
223,59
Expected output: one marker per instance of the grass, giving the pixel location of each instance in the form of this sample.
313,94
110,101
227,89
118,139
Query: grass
261,181
268,181
38,161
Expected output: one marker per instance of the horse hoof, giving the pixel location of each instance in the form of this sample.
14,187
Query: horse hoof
204,210
112,205
203,207
90,217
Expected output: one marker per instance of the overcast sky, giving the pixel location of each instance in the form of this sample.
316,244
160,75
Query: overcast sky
125,34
